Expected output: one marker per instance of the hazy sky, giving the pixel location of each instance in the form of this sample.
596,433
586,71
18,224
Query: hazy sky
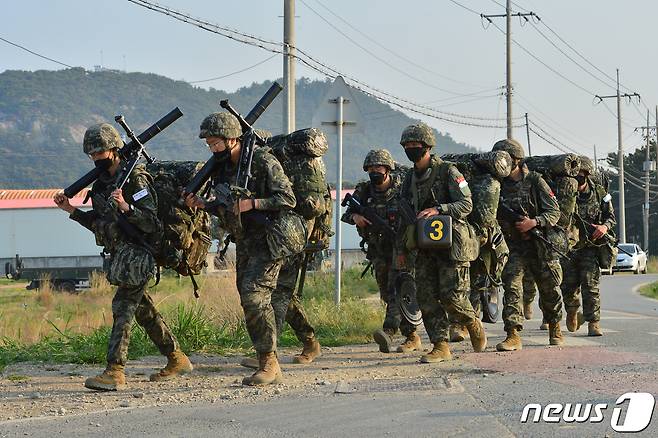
444,48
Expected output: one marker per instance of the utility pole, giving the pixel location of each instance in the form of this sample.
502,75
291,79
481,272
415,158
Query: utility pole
508,55
645,207
527,133
288,66
596,161
620,158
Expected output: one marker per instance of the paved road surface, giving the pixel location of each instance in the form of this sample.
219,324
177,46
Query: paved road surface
476,395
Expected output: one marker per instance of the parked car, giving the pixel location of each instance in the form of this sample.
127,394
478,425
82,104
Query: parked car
636,262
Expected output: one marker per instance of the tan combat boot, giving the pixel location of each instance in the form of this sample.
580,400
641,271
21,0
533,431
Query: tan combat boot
268,371
512,342
572,320
478,336
177,365
411,344
250,362
310,351
543,326
385,339
112,379
527,310
440,353
555,334
594,329
457,332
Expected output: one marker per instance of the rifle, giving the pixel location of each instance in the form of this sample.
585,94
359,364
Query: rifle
607,238
507,213
309,251
136,143
211,166
378,223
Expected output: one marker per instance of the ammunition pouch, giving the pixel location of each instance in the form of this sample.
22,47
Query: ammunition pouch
607,255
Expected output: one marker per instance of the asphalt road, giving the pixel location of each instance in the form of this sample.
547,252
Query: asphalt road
476,395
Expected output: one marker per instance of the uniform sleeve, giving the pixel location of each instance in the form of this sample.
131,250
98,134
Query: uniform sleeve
460,194
608,212
281,195
85,218
359,194
141,195
549,210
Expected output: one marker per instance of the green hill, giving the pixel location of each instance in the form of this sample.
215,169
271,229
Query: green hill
43,116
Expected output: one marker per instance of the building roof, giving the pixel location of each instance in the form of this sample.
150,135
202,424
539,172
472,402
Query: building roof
35,198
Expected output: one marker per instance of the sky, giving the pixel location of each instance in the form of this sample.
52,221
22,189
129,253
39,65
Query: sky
430,52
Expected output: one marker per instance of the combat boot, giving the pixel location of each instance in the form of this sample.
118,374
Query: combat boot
555,334
268,371
411,344
112,379
457,332
477,334
594,329
439,353
572,320
543,326
310,351
250,362
512,342
527,310
177,365
385,339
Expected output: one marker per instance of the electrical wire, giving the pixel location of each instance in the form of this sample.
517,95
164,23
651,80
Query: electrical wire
235,72
35,53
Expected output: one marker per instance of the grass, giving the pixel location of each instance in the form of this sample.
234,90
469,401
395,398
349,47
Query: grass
49,326
650,290
652,265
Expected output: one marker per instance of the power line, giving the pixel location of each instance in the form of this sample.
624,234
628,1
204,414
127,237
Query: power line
555,142
235,72
35,53
464,7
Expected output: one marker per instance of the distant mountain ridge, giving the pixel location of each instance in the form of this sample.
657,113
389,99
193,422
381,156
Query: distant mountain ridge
44,114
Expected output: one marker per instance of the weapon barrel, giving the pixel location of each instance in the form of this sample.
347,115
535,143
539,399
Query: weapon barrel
145,136
201,176
263,103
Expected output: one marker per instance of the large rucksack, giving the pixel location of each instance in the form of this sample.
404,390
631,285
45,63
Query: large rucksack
187,232
300,154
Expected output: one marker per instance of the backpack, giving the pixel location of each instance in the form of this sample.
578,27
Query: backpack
186,232
300,154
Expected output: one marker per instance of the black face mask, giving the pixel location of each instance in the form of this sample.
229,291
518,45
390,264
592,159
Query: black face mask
377,178
415,154
103,164
581,179
222,156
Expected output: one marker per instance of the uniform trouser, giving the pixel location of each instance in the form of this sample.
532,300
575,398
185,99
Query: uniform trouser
385,274
286,300
442,287
256,277
583,272
485,273
547,274
129,302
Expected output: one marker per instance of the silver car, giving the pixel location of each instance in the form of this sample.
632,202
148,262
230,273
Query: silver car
636,262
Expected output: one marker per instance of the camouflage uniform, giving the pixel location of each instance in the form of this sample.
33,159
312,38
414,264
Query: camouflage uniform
532,196
442,284
594,206
380,249
131,266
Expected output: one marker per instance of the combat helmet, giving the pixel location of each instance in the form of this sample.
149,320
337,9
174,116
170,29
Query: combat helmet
419,132
586,164
223,124
379,157
101,137
510,146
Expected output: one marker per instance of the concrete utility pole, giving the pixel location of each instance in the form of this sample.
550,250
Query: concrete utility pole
645,208
288,66
527,133
620,158
508,55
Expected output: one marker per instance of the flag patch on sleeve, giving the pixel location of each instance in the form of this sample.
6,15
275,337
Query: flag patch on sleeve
462,182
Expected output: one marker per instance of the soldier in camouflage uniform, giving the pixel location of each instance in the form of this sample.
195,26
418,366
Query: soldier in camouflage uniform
442,276
131,265
259,256
528,194
381,193
594,207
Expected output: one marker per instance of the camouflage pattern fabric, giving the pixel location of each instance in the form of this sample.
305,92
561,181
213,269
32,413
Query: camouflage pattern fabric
442,284
379,157
419,132
221,124
511,146
310,142
101,137
532,196
529,287
385,275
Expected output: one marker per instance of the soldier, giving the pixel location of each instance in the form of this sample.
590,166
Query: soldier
381,193
131,264
432,188
259,256
595,218
528,194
